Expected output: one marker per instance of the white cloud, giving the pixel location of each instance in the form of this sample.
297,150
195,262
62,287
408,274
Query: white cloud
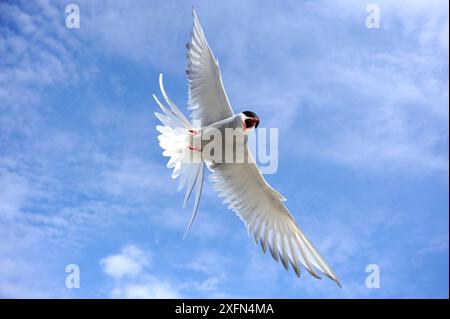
204,274
151,288
130,270
129,262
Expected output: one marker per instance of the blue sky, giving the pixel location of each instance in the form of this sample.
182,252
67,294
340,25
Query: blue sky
363,151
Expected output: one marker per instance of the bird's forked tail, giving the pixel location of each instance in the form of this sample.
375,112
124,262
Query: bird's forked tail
176,141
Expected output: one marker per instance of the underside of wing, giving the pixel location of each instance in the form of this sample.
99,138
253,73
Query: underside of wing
207,98
267,219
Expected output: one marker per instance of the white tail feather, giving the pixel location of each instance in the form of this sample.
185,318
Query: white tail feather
175,139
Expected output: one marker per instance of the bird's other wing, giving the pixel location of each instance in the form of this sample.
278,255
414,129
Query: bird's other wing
267,219
207,98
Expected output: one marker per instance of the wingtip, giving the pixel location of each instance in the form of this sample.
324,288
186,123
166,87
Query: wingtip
335,279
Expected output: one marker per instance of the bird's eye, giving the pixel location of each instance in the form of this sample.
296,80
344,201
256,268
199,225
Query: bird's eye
249,123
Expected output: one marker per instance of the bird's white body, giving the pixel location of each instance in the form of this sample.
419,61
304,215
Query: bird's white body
239,183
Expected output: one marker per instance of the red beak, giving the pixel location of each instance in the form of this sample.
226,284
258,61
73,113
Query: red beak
250,122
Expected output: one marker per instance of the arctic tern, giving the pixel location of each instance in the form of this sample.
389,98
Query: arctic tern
240,184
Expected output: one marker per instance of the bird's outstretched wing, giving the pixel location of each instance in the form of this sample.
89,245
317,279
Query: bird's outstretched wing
267,219
207,98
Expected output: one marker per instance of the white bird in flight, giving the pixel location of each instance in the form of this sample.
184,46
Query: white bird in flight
241,185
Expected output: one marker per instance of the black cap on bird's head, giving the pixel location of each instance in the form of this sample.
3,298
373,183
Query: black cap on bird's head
251,120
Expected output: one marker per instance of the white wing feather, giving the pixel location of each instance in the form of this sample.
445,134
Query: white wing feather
267,219
207,98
